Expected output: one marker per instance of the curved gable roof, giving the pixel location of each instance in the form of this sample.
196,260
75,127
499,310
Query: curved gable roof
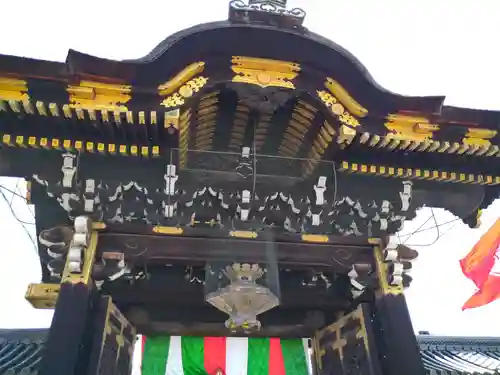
223,39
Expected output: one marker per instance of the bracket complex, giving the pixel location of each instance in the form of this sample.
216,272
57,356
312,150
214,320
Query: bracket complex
80,257
393,263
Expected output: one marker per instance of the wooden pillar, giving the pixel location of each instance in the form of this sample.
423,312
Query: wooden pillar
69,341
64,351
396,342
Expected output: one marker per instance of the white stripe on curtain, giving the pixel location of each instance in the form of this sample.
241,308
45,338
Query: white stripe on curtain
236,355
174,361
137,358
308,355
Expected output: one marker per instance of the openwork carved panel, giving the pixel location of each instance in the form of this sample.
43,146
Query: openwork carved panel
113,341
347,346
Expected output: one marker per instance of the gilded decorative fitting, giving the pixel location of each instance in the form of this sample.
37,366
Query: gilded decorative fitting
337,109
90,95
419,174
345,98
478,142
249,235
13,90
42,296
410,128
168,230
185,91
264,72
71,145
172,119
416,134
183,85
181,78
346,135
315,238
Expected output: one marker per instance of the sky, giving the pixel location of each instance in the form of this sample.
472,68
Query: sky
412,47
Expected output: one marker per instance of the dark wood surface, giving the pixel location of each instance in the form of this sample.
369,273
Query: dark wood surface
67,345
396,340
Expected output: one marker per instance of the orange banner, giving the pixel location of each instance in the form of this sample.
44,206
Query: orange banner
477,266
489,293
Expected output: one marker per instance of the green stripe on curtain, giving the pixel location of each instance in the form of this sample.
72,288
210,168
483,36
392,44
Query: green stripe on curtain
258,356
155,355
294,357
193,358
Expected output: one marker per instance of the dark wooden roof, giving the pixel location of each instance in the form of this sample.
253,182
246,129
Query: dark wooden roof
20,353
318,87
217,42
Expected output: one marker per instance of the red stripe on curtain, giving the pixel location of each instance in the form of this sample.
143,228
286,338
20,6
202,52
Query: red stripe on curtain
215,355
276,364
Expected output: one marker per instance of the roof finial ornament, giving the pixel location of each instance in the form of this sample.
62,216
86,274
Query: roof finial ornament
267,12
268,3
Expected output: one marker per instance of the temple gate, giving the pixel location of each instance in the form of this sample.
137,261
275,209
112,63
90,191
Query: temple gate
225,188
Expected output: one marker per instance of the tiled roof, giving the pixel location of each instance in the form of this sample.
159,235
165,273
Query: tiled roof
460,355
20,353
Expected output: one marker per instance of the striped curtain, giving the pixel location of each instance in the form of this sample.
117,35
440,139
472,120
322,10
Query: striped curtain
176,355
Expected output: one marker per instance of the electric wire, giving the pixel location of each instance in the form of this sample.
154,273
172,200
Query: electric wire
9,204
439,235
438,232
420,227
18,192
14,193
436,226
427,229
23,223
12,196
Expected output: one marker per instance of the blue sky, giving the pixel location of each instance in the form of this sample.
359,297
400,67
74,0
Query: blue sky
417,47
